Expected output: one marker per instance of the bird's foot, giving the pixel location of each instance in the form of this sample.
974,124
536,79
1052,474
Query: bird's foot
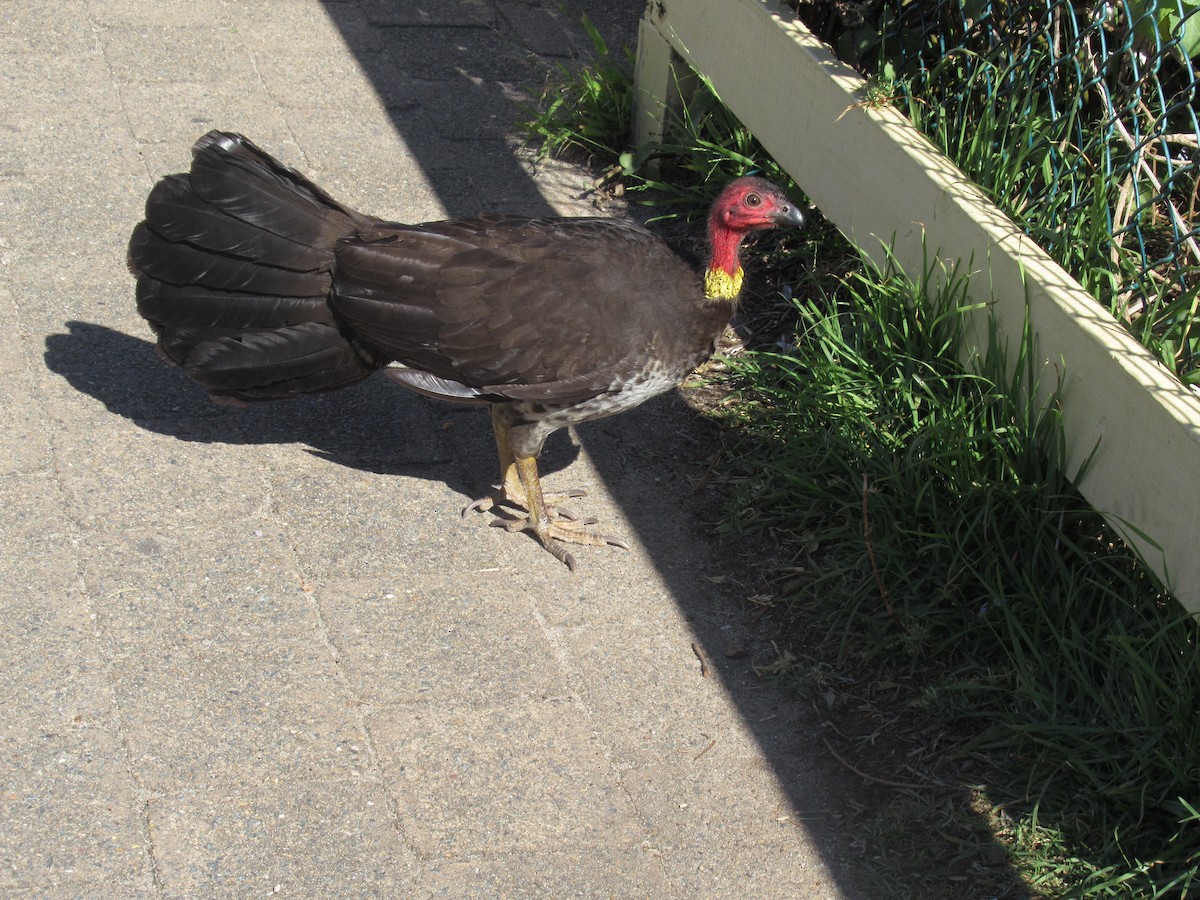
559,531
553,500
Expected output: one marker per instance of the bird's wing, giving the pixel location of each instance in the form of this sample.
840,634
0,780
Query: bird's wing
552,309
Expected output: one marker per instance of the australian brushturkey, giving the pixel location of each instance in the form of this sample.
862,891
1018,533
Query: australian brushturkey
261,286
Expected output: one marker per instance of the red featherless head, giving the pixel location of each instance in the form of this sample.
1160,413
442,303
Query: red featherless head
745,205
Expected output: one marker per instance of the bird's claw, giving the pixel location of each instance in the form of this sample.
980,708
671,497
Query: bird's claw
488,501
562,525
554,534
501,496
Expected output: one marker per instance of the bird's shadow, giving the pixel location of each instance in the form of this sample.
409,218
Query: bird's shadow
374,426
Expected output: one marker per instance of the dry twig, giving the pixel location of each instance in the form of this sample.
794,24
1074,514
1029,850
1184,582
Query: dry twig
703,661
883,591
904,785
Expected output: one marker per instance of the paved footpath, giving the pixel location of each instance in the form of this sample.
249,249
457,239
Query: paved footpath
255,652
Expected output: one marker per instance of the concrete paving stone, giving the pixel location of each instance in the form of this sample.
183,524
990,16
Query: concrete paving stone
185,53
487,109
294,83
467,192
12,163
224,593
647,463
35,523
127,477
409,542
167,119
71,811
430,12
220,667
423,175
14,344
166,158
162,13
43,147
350,525
41,536
651,606
195,720
211,618
612,20
678,713
70,807
438,640
375,426
438,155
323,30
31,98
540,29
328,838
768,872
434,54
604,589
104,889
46,134
723,823
471,779
23,438
46,30
60,220
617,598
93,372
498,550
624,586
361,160
555,871
47,144
90,287
53,670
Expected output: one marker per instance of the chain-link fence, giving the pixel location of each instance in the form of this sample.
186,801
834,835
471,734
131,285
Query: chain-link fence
1081,116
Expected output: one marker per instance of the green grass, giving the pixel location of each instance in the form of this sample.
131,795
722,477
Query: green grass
940,540
1047,690
1043,161
586,111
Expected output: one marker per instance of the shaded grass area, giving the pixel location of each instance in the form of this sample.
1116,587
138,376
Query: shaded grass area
984,643
937,544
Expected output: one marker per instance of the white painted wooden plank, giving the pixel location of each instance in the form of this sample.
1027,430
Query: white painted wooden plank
652,85
883,183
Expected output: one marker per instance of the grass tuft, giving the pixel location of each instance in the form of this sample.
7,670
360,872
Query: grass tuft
586,111
940,541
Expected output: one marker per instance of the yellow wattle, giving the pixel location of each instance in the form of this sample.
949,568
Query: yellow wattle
721,285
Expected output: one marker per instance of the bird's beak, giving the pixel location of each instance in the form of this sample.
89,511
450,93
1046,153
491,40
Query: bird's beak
789,214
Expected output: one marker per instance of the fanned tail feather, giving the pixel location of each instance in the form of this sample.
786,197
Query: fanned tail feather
179,214
274,364
234,263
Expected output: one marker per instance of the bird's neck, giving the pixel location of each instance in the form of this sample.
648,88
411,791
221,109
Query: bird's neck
723,277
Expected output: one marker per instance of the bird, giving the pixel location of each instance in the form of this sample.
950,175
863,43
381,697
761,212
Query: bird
261,286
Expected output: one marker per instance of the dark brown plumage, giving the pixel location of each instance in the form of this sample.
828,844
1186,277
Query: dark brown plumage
261,286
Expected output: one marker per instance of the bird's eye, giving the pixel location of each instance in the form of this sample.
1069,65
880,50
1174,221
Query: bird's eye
753,200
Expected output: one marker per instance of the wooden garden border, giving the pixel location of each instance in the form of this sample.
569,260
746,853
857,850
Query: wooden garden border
883,184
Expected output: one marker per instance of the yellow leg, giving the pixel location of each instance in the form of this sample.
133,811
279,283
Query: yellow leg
551,530
511,490
510,481
521,487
